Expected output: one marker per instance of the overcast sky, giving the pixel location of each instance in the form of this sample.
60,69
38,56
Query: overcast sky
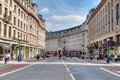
63,14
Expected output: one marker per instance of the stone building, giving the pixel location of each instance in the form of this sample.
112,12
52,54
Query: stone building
22,29
72,40
104,26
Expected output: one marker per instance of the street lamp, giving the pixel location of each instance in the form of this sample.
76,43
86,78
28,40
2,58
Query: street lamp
19,55
64,41
108,60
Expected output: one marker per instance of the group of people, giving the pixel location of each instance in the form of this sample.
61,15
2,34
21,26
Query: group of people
62,54
108,57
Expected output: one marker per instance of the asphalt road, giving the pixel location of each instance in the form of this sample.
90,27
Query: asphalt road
69,69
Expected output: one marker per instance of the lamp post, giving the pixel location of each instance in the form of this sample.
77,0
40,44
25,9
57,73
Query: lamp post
19,55
108,58
64,41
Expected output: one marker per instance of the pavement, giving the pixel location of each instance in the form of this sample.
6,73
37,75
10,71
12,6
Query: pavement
14,65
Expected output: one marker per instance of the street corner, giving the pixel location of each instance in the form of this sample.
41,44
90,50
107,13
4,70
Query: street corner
12,68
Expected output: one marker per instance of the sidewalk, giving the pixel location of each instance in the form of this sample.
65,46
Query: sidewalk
101,61
26,61
12,66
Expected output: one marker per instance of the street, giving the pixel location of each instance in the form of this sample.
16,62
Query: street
69,69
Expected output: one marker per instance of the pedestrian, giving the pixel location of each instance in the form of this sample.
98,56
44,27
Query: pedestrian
7,57
59,54
38,57
97,57
115,57
91,57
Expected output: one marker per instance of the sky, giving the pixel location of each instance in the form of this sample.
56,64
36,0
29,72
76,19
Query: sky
64,14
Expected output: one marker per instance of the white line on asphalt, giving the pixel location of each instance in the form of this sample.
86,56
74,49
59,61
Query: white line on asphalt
110,71
68,70
15,70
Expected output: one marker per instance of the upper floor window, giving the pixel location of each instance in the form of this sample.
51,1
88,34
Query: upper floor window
6,1
19,12
11,3
5,30
15,8
18,23
14,20
117,14
6,12
10,15
21,24
0,9
14,32
9,32
0,28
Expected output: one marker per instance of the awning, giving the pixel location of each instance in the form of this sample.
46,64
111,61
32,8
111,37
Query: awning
5,46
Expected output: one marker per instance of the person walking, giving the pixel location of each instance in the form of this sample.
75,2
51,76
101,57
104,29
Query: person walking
7,57
59,54
38,57
115,57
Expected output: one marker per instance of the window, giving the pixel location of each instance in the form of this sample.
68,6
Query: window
18,23
117,14
6,1
0,28
14,32
10,16
24,36
11,3
5,30
15,8
9,32
24,26
18,35
19,12
21,25
111,2
6,11
0,9
14,20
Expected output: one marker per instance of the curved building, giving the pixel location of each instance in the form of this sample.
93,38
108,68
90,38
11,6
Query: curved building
72,40
22,29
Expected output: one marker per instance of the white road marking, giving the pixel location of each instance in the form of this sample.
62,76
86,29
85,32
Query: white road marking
118,71
110,71
15,70
68,70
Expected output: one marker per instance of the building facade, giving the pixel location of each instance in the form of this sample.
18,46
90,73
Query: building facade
72,40
104,25
22,29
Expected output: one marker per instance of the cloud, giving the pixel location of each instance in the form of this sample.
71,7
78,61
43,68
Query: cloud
56,22
45,10
96,2
68,18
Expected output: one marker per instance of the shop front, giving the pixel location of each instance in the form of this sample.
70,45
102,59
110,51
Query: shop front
4,48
